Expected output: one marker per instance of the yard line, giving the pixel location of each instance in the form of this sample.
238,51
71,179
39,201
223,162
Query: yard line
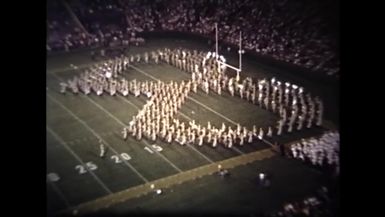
219,114
124,125
91,137
190,146
61,141
58,192
167,182
124,99
234,148
97,136
78,67
143,72
231,121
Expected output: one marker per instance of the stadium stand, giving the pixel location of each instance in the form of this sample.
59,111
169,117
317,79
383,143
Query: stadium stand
289,31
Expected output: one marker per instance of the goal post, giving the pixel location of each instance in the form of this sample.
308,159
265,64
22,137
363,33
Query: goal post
240,52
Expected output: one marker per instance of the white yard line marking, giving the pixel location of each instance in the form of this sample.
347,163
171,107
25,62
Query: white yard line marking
217,113
234,148
124,125
61,141
226,118
79,67
231,121
88,138
61,195
190,146
148,149
167,182
124,99
98,136
143,72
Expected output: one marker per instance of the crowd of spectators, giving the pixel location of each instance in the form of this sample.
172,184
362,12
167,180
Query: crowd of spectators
293,31
62,32
101,27
321,204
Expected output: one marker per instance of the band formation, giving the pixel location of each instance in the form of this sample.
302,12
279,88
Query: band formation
157,119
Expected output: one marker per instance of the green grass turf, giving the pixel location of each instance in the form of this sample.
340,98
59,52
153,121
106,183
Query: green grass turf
81,188
250,67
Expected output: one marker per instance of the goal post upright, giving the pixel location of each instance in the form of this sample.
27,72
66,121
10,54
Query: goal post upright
216,44
216,41
238,70
240,54
240,51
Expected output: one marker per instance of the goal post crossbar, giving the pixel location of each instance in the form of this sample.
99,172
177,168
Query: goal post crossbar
230,66
239,51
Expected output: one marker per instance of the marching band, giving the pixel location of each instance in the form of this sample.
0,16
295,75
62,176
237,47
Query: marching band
156,120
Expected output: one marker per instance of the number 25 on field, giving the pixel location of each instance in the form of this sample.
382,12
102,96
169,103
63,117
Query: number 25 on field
88,166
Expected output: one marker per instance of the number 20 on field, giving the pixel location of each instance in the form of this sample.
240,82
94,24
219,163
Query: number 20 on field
90,166
123,156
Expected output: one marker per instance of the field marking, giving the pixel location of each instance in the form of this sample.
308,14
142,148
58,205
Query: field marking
97,136
124,99
143,72
228,119
61,141
167,182
79,67
190,146
89,138
59,192
234,148
124,125
186,171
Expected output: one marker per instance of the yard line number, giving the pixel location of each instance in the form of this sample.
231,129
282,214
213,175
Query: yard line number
117,159
153,148
91,166
82,168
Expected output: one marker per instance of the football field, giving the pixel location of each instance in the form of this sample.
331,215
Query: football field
75,123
